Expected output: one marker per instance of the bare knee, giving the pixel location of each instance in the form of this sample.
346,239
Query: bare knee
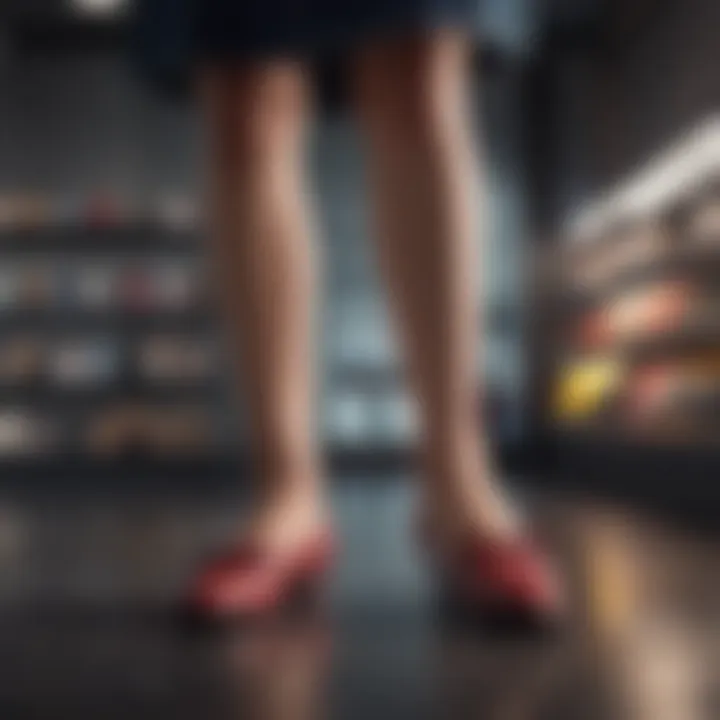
255,115
411,92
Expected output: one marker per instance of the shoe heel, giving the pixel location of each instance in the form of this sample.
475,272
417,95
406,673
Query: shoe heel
307,595
454,609
496,619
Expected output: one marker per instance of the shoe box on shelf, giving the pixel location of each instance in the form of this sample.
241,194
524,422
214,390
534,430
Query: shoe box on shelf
106,341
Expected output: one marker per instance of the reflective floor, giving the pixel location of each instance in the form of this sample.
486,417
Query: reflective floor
86,590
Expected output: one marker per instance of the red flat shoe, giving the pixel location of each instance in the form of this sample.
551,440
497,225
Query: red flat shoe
505,580
247,582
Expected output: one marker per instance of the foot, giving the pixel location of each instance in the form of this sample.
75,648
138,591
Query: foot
285,549
482,549
461,497
489,564
284,521
510,581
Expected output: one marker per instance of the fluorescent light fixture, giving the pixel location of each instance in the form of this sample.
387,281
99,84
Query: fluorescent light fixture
99,8
671,175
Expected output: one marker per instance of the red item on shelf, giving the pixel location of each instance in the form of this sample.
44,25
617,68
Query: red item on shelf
103,209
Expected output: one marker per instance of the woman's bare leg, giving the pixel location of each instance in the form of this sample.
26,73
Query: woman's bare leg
264,268
423,175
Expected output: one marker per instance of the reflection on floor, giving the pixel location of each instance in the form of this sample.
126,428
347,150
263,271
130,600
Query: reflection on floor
85,587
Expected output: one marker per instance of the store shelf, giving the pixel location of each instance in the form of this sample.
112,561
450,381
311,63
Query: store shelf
701,263
685,341
638,347
682,342
223,468
49,297
137,238
44,393
193,322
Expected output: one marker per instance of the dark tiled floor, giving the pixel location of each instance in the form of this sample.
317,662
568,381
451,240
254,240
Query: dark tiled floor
86,583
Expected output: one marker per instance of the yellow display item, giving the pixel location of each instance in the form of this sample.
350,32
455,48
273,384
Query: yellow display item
583,386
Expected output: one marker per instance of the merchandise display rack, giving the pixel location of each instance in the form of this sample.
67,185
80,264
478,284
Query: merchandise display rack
637,303
107,345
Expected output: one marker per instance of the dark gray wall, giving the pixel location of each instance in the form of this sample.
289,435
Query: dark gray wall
658,81
619,97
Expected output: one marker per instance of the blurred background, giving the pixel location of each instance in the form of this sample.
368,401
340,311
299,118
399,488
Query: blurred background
120,445
601,226
104,303
107,328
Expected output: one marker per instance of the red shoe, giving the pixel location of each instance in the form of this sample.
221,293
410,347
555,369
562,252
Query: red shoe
246,582
511,580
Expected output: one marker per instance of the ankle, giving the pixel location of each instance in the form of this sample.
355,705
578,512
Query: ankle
299,496
454,505
279,522
453,445
289,482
